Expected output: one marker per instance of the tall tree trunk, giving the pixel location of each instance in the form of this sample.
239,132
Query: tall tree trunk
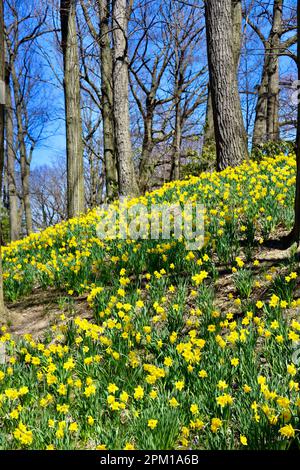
230,133
179,81
93,181
266,125
96,180
175,170
295,233
273,74
145,169
11,175
75,177
110,156
2,123
127,178
236,15
209,131
25,162
260,124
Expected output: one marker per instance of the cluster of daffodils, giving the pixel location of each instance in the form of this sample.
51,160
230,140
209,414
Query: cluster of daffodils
173,358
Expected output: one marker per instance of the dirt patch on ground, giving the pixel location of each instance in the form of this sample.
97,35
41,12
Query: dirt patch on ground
268,258
36,313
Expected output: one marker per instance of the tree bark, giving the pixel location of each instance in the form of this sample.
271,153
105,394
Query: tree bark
25,162
209,131
11,175
145,168
127,179
294,236
110,157
95,182
266,126
236,15
175,170
231,142
273,74
260,124
2,123
179,81
75,176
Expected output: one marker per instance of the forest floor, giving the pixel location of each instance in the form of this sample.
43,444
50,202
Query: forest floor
36,313
148,344
40,310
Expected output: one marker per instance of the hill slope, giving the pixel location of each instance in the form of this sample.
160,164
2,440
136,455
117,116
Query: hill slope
189,348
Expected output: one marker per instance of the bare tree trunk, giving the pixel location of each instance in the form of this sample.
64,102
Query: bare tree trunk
295,233
209,131
127,178
75,177
95,180
236,15
25,176
230,133
25,163
110,156
175,170
94,177
266,126
2,122
11,176
145,169
260,124
179,80
273,74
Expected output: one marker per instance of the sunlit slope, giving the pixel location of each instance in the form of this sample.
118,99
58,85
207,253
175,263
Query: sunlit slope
243,202
187,349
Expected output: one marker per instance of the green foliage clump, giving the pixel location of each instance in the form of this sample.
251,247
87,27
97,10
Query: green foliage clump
271,149
197,163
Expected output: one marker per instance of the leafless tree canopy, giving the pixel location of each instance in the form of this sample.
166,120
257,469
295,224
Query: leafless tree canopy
114,97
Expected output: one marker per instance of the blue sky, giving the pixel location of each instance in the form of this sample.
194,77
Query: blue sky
52,146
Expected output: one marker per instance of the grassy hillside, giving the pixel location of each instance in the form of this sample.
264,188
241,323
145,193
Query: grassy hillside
188,349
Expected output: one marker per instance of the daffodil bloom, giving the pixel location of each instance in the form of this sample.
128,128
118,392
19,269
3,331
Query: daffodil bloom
138,393
194,409
129,446
173,402
73,427
152,423
216,423
287,431
179,385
